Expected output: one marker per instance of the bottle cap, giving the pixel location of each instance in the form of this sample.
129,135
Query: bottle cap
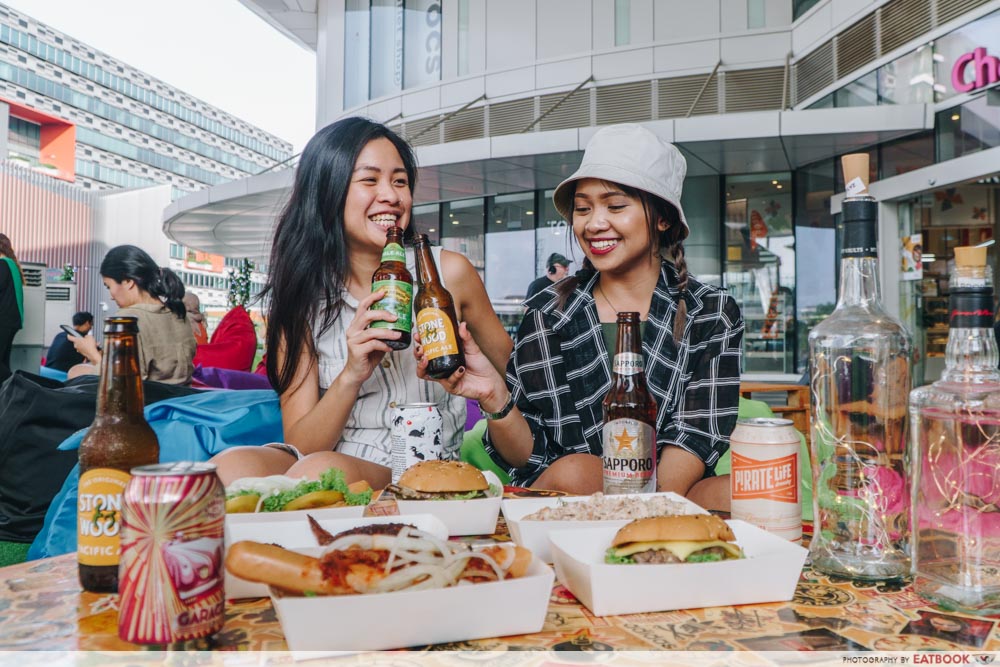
970,255
855,174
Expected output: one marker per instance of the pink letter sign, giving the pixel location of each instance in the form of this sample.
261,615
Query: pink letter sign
986,68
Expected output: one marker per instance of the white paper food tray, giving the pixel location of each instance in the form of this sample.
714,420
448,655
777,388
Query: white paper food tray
769,573
378,622
535,534
299,536
462,517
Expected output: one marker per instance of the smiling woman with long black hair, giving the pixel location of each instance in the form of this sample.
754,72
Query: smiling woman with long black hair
337,377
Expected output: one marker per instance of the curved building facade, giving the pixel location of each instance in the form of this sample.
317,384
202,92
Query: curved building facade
762,97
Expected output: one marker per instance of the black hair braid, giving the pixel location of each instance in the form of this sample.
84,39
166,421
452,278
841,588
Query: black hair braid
680,318
567,286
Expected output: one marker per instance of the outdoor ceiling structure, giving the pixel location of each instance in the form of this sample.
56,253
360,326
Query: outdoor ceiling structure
296,19
236,219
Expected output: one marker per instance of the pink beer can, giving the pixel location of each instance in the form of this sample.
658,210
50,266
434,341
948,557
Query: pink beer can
172,545
765,476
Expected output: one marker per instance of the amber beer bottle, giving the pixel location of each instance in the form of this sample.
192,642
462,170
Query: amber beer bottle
629,417
119,439
436,320
393,277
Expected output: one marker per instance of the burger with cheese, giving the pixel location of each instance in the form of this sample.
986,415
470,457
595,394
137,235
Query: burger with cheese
441,480
695,538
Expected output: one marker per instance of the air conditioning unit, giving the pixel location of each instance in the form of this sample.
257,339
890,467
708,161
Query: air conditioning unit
60,306
26,354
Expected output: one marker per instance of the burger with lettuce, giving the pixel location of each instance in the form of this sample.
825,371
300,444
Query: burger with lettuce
279,493
695,538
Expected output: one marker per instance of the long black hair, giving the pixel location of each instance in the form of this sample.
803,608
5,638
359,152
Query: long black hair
670,243
127,262
309,262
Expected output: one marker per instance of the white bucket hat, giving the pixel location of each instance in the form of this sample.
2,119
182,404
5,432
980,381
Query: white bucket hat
631,155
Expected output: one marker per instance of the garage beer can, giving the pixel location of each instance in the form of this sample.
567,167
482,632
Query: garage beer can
172,536
765,476
416,436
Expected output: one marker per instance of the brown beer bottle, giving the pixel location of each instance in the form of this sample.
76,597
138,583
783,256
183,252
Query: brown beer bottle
629,417
118,440
393,277
436,319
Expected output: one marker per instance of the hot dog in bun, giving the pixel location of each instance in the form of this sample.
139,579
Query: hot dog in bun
695,538
376,559
441,480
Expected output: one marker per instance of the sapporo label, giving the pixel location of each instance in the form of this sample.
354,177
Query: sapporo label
775,479
629,363
437,334
398,300
99,513
629,457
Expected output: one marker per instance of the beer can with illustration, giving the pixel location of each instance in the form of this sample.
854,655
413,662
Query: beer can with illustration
416,436
172,547
765,476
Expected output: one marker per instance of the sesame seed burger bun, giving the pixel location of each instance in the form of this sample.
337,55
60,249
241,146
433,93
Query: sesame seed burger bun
693,528
443,477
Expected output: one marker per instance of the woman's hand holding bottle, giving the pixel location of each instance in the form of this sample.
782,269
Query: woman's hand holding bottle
366,345
478,379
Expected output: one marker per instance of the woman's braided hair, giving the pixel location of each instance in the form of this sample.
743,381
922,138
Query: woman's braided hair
671,247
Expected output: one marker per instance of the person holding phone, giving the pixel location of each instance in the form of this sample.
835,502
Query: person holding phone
61,355
557,266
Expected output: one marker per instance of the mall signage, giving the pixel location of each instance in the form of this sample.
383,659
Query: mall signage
985,70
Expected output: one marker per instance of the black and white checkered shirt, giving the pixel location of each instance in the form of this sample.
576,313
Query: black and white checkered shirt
560,372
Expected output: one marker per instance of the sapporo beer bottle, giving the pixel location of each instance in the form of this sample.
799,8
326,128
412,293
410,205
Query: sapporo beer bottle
393,277
629,417
436,320
119,439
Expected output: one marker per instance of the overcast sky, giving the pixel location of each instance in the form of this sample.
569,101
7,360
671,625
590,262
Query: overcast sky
216,50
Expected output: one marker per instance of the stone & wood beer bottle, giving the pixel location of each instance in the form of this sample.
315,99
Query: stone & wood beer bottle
629,417
393,277
118,440
436,319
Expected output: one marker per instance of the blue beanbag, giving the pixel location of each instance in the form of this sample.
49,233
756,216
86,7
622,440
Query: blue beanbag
190,428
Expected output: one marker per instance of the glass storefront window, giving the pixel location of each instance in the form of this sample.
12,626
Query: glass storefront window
948,49
816,251
903,155
961,215
700,200
427,220
760,268
422,39
356,48
553,234
970,128
386,55
462,230
510,241
908,79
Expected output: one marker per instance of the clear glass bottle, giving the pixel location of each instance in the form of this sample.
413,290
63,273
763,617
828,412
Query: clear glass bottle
860,379
955,443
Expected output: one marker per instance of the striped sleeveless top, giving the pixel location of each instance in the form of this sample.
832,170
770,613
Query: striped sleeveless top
394,382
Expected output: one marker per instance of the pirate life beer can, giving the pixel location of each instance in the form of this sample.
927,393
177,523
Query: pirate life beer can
765,476
172,537
416,436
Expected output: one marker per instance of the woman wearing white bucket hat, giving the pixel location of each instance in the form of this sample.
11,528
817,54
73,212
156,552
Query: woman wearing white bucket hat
545,421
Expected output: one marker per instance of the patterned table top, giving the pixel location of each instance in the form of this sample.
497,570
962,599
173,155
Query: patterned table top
43,607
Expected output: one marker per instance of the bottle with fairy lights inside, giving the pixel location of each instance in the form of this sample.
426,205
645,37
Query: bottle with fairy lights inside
955,453
859,361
